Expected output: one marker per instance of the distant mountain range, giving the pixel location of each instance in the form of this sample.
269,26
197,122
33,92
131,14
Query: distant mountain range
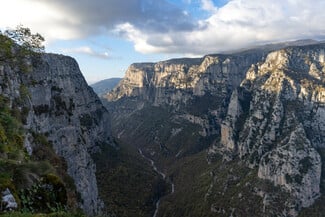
104,86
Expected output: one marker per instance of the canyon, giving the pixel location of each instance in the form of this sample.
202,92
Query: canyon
260,109
223,135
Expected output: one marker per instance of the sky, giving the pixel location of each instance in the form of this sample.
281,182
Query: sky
106,36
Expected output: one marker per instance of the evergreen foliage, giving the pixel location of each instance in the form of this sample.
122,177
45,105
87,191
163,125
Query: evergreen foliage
24,38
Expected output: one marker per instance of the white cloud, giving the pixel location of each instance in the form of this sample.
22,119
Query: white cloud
208,5
238,24
52,22
160,27
69,19
88,51
140,39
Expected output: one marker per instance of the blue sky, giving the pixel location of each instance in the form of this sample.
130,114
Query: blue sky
106,36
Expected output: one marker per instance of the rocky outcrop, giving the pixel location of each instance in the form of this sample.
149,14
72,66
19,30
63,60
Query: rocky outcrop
295,166
8,201
177,82
228,126
282,128
59,104
264,108
196,89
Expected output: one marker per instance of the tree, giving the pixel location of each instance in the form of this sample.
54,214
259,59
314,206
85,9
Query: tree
5,47
17,45
23,37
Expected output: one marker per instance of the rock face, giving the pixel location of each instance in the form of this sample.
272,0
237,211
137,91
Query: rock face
181,84
282,128
8,200
265,108
296,169
176,82
61,106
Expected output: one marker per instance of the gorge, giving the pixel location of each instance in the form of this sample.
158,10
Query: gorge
246,127
236,133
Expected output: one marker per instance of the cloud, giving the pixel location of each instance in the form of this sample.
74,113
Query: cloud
237,24
208,5
159,26
87,51
69,19
52,22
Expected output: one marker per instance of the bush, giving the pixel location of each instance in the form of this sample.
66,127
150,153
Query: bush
48,195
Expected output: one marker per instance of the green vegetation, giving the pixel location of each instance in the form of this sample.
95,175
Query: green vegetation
206,104
318,208
192,180
39,183
11,133
17,46
23,37
128,184
48,195
224,187
157,134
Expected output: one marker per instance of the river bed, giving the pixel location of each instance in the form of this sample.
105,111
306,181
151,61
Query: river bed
163,175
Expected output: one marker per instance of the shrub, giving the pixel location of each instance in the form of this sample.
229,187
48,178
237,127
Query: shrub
48,195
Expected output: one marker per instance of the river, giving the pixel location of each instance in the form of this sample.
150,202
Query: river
163,175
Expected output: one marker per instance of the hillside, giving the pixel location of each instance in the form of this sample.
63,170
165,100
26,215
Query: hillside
50,124
57,154
236,133
104,86
222,135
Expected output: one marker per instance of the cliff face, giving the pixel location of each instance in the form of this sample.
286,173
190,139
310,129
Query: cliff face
263,109
59,104
194,89
179,81
283,126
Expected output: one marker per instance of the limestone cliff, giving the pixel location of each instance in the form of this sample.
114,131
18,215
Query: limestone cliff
182,84
282,129
176,82
262,108
59,104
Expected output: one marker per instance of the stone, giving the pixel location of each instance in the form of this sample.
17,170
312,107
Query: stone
62,106
296,166
8,200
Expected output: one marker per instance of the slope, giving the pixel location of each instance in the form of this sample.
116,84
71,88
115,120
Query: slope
237,133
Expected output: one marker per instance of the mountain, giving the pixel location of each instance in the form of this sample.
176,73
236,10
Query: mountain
279,45
235,134
104,86
51,123
57,154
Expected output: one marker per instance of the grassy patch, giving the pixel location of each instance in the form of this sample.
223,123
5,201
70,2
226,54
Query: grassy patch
35,181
